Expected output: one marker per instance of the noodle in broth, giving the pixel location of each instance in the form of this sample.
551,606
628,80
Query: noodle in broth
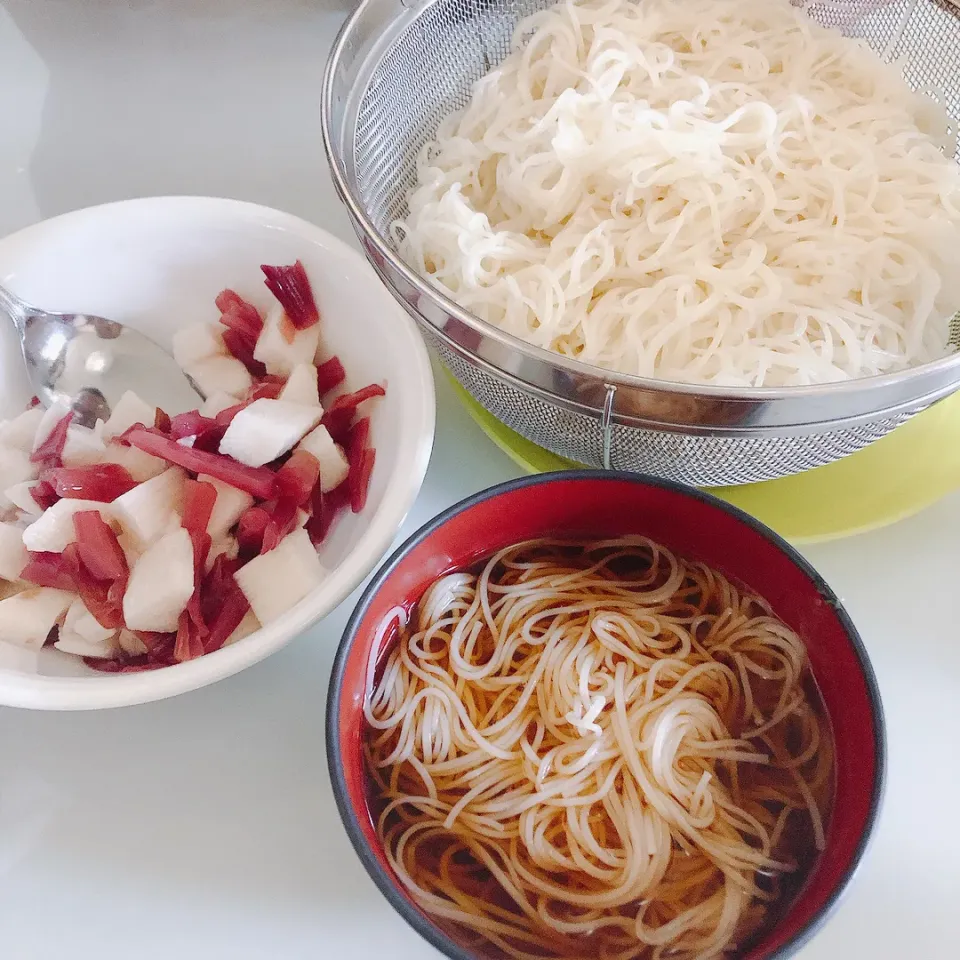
597,750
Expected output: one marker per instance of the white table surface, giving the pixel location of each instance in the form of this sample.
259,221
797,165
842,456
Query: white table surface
204,827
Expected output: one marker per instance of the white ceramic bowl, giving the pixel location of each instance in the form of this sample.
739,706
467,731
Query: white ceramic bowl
157,264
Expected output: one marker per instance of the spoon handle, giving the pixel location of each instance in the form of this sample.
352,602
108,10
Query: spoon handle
14,308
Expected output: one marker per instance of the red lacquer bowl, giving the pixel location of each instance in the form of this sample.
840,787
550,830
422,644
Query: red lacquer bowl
591,504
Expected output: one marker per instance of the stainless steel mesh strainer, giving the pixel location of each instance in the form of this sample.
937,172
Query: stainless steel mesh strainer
399,66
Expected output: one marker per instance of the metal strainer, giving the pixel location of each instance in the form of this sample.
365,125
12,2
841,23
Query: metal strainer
399,66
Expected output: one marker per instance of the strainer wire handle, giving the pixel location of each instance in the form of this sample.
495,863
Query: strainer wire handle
606,424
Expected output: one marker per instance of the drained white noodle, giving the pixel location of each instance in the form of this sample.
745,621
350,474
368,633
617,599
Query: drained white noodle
707,191
596,750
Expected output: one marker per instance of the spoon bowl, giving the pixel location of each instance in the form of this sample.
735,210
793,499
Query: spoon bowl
89,362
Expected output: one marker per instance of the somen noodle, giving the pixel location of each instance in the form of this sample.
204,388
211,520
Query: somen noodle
596,750
706,191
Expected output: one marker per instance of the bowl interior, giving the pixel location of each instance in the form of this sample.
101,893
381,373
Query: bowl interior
695,526
157,265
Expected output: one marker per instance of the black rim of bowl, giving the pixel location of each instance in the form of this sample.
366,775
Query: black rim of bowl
384,880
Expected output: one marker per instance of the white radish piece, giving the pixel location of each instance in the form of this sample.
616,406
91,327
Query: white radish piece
80,621
79,646
83,446
196,342
131,644
51,417
333,462
227,547
13,554
220,374
147,511
280,355
322,354
217,403
140,465
248,625
54,529
230,504
267,429
10,587
173,523
129,410
130,547
21,431
19,496
161,583
301,386
28,617
83,635
15,468
275,582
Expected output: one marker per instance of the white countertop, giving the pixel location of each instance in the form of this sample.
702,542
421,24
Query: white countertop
204,827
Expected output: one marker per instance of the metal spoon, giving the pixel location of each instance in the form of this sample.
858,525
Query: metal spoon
90,362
